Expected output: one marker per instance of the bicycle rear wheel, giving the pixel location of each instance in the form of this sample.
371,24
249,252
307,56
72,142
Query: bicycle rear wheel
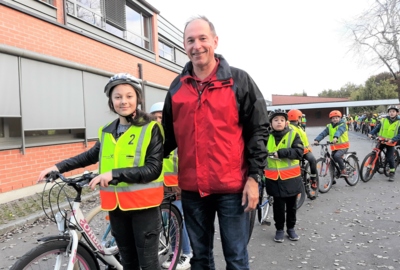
311,190
353,170
387,167
263,207
301,197
52,253
368,167
170,243
325,175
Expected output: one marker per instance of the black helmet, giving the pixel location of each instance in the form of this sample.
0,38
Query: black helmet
277,112
124,78
392,107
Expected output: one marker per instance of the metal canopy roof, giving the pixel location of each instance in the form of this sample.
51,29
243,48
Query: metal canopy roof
335,104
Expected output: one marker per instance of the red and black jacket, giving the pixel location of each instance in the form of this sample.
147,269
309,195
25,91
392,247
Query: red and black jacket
220,133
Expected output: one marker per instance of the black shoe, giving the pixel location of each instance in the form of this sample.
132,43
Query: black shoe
333,182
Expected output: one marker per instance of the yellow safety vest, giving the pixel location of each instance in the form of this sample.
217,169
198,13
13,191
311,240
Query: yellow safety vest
303,138
170,166
343,140
128,151
388,130
282,168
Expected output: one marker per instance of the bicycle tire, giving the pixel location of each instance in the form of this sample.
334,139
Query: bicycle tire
325,175
301,197
252,220
171,234
368,167
45,256
311,192
263,207
352,169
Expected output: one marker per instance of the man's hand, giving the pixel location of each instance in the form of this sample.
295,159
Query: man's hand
334,140
250,194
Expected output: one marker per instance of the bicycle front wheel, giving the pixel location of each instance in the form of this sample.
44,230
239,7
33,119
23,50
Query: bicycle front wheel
311,188
325,175
263,207
170,242
368,167
54,255
353,170
301,197
252,217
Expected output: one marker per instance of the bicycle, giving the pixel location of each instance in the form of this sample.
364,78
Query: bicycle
376,161
307,188
169,237
328,170
77,246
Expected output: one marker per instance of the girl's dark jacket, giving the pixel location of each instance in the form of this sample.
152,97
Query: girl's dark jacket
144,174
289,187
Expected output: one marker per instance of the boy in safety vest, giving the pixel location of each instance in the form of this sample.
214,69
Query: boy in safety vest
294,117
303,121
129,152
338,134
170,168
389,128
282,173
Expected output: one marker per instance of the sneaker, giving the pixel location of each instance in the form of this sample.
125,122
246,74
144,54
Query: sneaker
292,235
343,173
167,263
184,262
279,236
333,182
391,176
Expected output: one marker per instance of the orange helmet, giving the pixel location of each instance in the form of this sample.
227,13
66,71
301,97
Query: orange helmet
293,115
335,113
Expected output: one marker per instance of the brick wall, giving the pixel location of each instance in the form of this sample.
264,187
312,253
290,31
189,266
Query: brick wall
18,170
23,31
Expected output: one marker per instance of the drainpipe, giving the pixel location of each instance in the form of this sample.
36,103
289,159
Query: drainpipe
143,104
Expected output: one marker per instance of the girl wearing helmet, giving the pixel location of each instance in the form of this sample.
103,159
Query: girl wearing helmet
130,154
338,134
282,173
389,128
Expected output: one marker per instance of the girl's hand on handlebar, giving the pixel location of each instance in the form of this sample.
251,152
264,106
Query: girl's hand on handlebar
316,142
43,174
102,179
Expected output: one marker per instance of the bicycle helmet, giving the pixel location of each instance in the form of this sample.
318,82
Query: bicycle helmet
157,107
335,113
294,114
392,107
277,112
123,78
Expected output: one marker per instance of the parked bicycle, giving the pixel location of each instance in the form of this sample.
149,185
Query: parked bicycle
309,189
77,246
376,161
328,170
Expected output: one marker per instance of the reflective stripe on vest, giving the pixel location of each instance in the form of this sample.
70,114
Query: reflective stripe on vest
282,168
388,130
129,151
170,166
343,140
303,138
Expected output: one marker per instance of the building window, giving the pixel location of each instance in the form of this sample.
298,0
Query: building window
50,2
165,51
1,128
117,17
138,28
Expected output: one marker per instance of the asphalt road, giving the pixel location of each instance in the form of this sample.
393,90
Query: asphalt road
347,228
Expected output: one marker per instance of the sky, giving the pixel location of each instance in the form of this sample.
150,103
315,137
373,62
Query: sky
287,46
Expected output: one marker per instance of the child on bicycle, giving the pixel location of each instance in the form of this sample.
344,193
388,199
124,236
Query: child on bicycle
129,151
282,173
338,134
389,129
170,168
294,117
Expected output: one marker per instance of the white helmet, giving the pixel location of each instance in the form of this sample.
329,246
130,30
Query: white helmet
157,107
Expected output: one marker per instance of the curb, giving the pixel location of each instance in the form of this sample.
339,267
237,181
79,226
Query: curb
15,224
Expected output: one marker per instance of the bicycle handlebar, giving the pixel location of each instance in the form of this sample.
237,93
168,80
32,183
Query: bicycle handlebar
80,181
324,144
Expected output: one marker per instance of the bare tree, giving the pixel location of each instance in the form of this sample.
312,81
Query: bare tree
375,35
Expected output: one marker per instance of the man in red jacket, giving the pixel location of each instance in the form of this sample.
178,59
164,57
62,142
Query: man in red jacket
217,117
